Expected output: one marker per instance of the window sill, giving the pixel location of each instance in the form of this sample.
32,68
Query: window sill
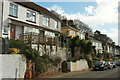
30,21
13,16
5,34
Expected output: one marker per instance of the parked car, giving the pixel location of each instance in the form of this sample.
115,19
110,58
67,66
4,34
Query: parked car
114,65
100,65
110,66
117,62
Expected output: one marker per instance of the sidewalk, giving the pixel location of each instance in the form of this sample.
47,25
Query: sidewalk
62,75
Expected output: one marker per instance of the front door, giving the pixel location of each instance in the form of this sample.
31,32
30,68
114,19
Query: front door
12,32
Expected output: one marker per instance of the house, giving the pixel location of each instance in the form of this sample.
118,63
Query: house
26,17
97,44
117,50
67,28
34,25
107,42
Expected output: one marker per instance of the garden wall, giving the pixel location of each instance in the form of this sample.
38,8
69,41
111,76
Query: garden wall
78,65
12,66
63,53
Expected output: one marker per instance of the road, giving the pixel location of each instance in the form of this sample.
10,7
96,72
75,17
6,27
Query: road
110,73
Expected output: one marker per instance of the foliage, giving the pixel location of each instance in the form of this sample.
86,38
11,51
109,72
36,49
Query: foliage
84,45
89,61
41,62
14,50
73,59
59,69
81,57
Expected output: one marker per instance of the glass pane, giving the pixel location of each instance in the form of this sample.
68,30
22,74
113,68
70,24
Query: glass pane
11,5
15,6
34,18
6,30
11,11
28,15
15,12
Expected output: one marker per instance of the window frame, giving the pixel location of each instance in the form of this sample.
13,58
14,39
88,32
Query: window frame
6,31
31,18
47,21
13,8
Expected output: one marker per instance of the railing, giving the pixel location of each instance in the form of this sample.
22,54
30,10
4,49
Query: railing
37,39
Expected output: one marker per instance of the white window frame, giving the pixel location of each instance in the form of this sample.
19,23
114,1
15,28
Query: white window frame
6,28
56,24
46,21
14,9
31,16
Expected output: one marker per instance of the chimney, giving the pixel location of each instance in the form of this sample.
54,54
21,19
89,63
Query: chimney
65,22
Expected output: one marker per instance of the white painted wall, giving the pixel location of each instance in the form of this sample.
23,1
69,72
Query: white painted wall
12,66
98,46
18,31
78,65
81,35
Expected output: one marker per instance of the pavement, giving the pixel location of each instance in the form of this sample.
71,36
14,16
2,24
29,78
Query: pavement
111,73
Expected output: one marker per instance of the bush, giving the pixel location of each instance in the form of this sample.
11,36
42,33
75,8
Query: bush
81,57
59,69
73,59
89,61
41,62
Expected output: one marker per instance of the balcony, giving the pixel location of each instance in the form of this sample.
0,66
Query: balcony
38,39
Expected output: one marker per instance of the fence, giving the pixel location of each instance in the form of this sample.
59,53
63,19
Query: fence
37,39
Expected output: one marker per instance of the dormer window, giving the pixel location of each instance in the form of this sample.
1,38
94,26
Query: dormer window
31,16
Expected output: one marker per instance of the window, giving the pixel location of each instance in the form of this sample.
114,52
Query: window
6,30
70,32
56,25
46,21
31,16
13,10
74,33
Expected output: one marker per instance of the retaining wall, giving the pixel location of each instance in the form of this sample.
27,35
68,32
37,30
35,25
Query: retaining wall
78,65
12,66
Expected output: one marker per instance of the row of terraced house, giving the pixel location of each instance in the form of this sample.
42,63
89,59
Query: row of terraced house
27,20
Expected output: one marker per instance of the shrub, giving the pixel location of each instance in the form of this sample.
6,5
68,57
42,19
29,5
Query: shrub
73,59
81,57
89,61
59,69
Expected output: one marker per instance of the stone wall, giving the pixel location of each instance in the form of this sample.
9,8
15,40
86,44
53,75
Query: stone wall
78,65
12,66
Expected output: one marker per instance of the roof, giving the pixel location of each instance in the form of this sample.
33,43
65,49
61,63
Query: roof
24,23
35,7
93,39
70,28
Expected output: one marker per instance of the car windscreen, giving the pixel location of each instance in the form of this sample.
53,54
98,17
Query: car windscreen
98,63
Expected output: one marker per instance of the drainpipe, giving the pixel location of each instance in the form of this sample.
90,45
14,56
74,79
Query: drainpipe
1,19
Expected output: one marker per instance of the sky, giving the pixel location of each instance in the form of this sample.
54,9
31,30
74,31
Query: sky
99,15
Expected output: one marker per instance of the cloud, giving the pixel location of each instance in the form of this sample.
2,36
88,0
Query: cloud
112,33
57,8
106,12
89,9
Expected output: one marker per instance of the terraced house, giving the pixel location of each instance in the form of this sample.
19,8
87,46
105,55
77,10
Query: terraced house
22,18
